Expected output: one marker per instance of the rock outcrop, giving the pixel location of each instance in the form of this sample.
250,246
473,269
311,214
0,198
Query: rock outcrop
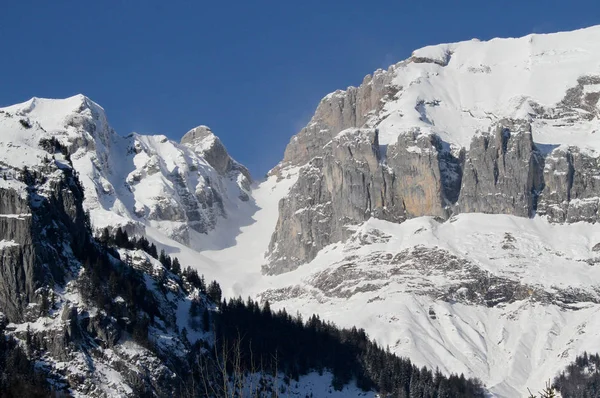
572,191
456,124
343,109
35,218
502,172
355,179
206,144
82,339
344,187
426,175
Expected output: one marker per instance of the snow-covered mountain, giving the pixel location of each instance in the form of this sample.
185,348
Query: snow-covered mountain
448,205
130,181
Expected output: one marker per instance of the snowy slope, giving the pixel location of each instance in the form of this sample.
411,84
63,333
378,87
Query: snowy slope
457,89
516,344
421,312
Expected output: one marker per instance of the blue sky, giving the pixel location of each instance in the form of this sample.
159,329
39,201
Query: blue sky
253,70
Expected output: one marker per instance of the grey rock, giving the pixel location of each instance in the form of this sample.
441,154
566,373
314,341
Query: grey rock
502,172
353,107
49,215
426,176
426,271
334,192
103,329
208,145
357,179
425,60
572,186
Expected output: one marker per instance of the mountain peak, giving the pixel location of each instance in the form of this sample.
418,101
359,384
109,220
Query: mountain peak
198,135
75,103
205,143
58,114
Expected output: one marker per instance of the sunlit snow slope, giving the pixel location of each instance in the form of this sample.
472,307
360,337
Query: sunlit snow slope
408,286
464,87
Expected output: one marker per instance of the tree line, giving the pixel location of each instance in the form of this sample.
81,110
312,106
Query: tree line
581,378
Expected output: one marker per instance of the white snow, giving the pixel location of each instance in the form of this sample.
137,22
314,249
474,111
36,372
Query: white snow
136,181
7,243
500,345
310,385
487,81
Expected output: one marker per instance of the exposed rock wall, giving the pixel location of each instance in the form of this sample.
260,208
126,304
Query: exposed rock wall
572,191
342,188
343,109
356,179
48,215
209,146
425,175
502,172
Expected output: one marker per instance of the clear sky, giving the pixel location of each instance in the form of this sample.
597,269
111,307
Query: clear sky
253,70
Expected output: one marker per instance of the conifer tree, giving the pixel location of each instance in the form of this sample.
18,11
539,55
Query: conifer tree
175,266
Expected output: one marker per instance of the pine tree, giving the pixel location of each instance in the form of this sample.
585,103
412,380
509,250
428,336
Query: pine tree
153,251
201,282
163,259
29,341
206,320
104,236
547,392
175,266
45,303
120,237
184,336
214,292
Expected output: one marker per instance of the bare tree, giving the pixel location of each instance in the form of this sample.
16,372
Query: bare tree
547,392
226,374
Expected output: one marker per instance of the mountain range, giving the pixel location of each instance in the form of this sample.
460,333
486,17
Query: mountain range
448,206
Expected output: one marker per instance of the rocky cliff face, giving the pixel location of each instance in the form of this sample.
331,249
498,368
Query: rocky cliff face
342,188
572,191
417,140
343,109
502,172
83,332
207,145
355,179
34,220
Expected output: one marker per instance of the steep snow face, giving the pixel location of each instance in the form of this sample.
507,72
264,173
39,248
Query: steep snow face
456,89
134,181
